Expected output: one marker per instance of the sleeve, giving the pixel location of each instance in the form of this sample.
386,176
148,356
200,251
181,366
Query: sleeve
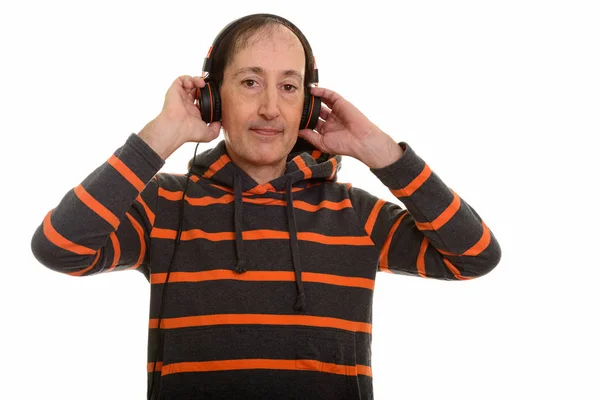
104,223
438,235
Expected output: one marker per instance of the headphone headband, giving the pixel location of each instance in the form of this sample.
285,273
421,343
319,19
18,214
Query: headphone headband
206,67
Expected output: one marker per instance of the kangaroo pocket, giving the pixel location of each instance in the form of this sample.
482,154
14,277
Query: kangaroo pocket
259,362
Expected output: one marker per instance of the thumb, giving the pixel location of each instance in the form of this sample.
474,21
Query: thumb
214,128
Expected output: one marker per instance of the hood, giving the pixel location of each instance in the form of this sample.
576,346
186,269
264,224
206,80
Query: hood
302,165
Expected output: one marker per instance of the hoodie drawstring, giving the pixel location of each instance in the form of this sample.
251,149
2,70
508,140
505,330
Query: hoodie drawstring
300,305
237,221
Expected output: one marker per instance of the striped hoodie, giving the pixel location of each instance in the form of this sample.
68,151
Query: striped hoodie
261,291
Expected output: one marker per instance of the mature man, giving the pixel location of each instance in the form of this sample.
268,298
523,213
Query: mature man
270,261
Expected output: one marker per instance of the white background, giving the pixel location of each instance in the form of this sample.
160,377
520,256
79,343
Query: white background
501,99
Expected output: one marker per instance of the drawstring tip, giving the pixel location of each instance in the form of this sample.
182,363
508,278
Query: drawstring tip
239,267
300,305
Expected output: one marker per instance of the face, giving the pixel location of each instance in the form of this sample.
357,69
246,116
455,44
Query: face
262,97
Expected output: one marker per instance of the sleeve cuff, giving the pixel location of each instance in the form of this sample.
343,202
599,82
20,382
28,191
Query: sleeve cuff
402,171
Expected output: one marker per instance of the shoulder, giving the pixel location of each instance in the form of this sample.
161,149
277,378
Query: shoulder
170,181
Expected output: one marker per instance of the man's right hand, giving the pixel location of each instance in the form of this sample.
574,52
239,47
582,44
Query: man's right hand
180,120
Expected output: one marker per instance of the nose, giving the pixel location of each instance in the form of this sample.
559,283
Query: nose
269,108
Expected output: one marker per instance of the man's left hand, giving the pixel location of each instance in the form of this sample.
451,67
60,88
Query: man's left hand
342,129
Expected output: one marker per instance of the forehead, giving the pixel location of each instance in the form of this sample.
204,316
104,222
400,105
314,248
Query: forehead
274,45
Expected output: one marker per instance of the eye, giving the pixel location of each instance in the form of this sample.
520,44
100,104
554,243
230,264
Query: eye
289,88
249,83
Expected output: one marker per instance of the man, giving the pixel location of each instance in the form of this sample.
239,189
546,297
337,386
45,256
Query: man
270,262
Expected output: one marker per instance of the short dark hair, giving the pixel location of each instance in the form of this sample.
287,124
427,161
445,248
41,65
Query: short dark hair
238,37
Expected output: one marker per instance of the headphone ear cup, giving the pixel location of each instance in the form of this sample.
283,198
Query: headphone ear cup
209,103
310,111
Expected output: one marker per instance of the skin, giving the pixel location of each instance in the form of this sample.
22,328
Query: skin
263,97
262,89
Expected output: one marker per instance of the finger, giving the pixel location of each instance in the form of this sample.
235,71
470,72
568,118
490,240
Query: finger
325,111
312,137
186,81
191,82
196,83
319,126
329,97
199,82
214,128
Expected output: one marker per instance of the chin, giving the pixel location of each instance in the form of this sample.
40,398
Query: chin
270,151
262,156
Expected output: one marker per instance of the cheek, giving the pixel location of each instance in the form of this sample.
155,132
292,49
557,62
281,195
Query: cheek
234,111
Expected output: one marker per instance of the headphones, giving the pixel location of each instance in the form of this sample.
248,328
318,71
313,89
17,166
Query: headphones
209,100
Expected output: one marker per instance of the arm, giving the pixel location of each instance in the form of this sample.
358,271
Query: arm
438,235
104,223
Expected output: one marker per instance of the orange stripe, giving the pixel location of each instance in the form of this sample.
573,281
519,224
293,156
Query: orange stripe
360,369
96,206
149,213
126,173
228,198
421,257
302,167
158,366
60,241
216,166
312,106
373,216
116,250
258,189
444,217
334,164
261,319
331,205
261,234
259,363
83,271
477,248
161,233
383,255
212,106
302,205
170,195
252,193
269,187
140,232
316,154
339,240
482,244
262,276
414,185
364,370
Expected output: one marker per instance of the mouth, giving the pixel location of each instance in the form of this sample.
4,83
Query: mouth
267,131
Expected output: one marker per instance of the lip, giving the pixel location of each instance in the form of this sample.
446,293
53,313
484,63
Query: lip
266,132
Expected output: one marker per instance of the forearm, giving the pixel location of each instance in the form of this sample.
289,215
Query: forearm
444,220
74,232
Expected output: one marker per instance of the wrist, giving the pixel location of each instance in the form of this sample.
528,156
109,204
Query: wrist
382,152
159,135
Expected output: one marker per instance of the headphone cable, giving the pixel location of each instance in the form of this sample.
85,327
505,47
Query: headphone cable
164,291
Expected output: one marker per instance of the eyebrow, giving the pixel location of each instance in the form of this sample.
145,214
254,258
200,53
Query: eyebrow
260,71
